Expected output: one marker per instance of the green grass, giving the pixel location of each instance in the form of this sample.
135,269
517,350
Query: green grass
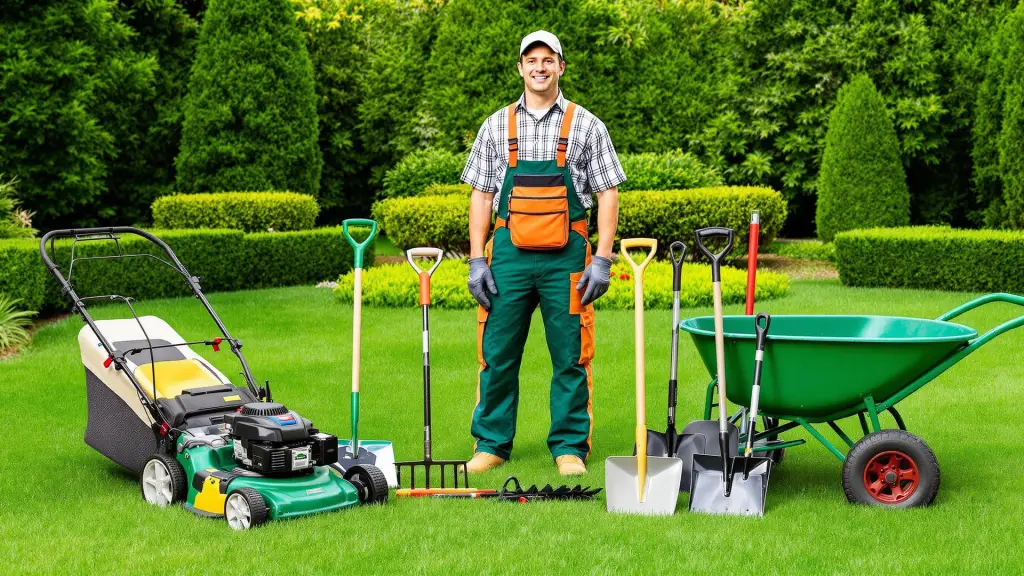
64,508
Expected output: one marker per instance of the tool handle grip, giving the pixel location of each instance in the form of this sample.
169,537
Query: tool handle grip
648,243
677,263
359,247
716,258
762,331
423,252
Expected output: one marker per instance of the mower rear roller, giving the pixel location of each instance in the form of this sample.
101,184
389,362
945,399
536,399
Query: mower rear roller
370,482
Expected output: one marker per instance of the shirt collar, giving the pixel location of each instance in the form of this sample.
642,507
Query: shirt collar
560,102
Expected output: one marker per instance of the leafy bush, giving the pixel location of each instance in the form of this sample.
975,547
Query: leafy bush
22,274
932,257
395,285
447,190
672,215
674,170
862,183
14,323
802,249
14,222
421,169
250,115
248,211
306,257
66,70
440,221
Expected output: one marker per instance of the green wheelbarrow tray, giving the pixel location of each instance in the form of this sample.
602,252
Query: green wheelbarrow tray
823,368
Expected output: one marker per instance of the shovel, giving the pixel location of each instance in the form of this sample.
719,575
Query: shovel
641,484
672,443
354,452
428,462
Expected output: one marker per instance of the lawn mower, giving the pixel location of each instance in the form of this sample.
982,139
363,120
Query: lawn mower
161,410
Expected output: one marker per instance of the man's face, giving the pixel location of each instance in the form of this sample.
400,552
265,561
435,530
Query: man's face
540,68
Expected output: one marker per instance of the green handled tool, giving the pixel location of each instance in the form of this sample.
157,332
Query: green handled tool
379,453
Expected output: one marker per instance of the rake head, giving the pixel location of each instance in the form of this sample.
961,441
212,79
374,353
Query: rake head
457,469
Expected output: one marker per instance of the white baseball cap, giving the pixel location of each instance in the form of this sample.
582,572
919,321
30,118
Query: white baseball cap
544,37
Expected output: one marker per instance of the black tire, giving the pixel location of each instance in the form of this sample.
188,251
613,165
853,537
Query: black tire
370,482
256,504
175,473
891,468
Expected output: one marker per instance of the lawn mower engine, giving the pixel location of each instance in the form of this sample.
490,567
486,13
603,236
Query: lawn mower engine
273,440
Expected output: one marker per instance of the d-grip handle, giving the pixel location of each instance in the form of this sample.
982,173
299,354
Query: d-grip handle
436,253
715,232
650,244
762,331
359,247
677,263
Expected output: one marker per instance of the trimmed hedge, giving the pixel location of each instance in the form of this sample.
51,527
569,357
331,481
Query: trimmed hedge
443,221
420,169
439,221
247,211
395,285
932,257
672,215
802,250
447,189
224,259
674,170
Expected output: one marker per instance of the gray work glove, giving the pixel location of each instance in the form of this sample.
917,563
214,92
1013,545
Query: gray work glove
596,277
481,281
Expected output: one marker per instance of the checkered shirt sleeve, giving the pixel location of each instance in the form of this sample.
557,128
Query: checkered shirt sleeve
481,171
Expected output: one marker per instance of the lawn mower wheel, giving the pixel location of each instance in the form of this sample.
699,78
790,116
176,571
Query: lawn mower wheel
245,509
370,482
163,481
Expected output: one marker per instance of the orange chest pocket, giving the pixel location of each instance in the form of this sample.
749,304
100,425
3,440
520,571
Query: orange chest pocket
538,212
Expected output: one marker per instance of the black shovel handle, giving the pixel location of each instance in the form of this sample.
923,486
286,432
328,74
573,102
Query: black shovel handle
715,232
677,263
762,331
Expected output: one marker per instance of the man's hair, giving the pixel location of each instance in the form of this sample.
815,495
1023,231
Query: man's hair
534,45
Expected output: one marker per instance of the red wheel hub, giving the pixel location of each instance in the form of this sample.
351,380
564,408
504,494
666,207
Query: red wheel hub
891,477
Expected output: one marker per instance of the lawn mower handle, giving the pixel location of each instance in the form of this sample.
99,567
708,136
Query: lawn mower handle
359,247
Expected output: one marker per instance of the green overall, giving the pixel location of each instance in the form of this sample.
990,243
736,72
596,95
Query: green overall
526,278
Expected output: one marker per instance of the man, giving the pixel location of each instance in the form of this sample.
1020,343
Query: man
537,164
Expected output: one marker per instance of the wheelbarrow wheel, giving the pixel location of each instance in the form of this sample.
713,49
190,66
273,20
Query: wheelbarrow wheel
370,482
891,468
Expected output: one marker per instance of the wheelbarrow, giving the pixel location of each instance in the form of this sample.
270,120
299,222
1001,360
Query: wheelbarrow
822,369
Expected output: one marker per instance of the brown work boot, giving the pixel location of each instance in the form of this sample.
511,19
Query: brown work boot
484,461
570,465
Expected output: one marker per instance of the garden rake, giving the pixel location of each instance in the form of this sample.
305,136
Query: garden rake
428,461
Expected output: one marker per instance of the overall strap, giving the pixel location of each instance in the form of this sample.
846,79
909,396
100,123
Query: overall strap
563,136
513,141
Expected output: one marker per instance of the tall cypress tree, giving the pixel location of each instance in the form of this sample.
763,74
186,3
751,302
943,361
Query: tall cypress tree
862,183
250,113
1011,137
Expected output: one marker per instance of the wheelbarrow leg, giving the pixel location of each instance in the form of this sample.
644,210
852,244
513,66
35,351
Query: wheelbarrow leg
899,419
841,434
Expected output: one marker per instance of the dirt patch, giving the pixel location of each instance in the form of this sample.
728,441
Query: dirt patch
798,269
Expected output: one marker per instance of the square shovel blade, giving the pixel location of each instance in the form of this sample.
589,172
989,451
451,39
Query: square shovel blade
377,453
661,490
746,497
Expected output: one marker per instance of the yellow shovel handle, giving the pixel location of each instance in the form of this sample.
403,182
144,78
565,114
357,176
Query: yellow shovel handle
641,393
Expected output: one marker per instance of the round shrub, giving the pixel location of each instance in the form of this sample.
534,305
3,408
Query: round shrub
250,114
248,211
421,169
395,285
674,170
441,221
861,183
447,189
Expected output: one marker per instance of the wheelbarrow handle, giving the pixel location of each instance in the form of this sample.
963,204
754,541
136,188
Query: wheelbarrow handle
359,247
436,253
986,299
677,263
715,232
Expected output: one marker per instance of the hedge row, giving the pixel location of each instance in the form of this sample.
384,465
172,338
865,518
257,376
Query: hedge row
932,257
669,215
224,259
395,285
247,211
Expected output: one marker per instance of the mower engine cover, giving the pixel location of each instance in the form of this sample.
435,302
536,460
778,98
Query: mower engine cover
273,440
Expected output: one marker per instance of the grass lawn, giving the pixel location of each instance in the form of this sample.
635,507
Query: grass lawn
65,508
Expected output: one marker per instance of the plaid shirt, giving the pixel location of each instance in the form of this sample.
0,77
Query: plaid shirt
591,158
